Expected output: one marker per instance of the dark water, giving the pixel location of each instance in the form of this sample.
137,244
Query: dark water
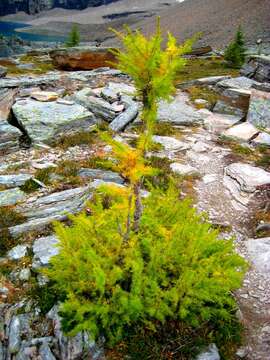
8,29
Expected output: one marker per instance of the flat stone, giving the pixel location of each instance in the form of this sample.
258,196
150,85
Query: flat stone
242,132
14,338
113,91
46,353
44,95
11,197
259,252
101,108
262,139
44,249
179,111
105,175
248,177
222,107
170,143
257,67
17,252
200,147
15,180
217,123
43,121
210,178
9,136
211,353
7,98
130,114
242,180
259,109
65,102
27,81
25,274
47,209
240,82
212,80
182,169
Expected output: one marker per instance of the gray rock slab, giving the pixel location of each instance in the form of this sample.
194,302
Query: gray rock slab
101,108
113,91
259,109
211,353
222,107
259,252
101,174
45,352
15,180
242,132
217,123
179,111
47,209
14,338
183,169
27,81
11,197
130,114
44,121
9,136
257,67
17,252
262,139
170,143
44,249
240,82
242,180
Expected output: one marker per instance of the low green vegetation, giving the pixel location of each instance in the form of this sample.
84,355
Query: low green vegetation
8,217
78,138
235,53
39,66
201,92
199,68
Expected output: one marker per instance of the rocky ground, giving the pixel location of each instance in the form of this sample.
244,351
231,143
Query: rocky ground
52,160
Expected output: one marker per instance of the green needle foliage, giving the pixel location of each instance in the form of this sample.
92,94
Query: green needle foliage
152,68
235,53
74,37
173,268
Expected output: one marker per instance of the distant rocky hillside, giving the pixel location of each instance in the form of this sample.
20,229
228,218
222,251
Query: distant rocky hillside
35,6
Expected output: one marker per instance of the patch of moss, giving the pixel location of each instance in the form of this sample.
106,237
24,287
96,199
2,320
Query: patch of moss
99,162
200,68
201,92
80,138
30,186
8,217
164,129
45,296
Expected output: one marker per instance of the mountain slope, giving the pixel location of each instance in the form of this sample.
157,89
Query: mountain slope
216,19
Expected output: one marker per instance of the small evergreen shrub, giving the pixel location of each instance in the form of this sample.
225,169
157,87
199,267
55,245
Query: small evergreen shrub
74,37
235,53
174,267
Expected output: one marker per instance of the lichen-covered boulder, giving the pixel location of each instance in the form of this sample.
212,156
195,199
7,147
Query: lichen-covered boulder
43,121
259,109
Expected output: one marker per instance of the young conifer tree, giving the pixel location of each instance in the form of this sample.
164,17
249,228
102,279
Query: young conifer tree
153,70
235,53
144,261
74,37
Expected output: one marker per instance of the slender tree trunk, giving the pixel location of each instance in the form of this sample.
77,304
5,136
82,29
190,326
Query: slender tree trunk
138,207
